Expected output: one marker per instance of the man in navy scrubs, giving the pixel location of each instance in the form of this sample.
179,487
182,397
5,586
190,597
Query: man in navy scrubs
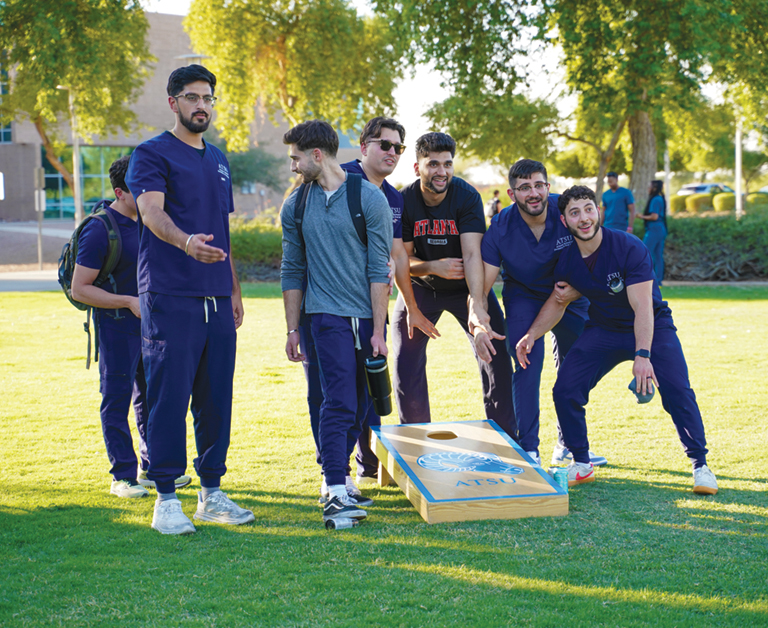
443,225
120,368
347,289
627,321
190,302
528,239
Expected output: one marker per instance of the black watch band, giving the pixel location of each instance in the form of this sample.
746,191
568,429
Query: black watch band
643,353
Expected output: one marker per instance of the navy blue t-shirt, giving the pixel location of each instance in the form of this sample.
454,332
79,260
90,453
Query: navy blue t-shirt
435,231
92,252
528,265
622,260
198,198
394,197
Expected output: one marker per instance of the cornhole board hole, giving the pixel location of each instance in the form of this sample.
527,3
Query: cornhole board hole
465,471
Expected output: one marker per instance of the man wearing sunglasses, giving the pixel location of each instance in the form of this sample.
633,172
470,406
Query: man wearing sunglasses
443,225
527,238
190,302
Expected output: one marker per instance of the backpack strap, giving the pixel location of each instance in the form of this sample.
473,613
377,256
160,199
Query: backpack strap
355,204
298,210
114,251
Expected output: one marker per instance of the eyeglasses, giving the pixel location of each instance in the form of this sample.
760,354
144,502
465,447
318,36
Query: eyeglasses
526,189
386,145
193,99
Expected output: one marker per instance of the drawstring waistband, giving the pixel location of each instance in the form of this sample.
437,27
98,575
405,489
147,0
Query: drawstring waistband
356,332
205,306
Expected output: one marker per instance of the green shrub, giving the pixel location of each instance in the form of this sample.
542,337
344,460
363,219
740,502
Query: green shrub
717,248
677,204
757,198
724,202
255,242
697,203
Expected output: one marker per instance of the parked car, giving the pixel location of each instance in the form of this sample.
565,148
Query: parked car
703,188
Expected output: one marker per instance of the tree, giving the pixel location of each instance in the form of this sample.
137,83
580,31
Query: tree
73,43
299,59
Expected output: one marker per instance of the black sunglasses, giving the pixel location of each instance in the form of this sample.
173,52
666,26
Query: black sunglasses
386,145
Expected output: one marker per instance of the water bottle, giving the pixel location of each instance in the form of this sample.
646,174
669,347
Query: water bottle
379,386
342,523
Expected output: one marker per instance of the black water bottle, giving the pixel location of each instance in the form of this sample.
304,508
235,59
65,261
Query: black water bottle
379,386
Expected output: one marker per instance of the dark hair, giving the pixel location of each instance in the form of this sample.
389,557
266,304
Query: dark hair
313,134
435,143
189,74
495,192
612,174
373,128
575,193
657,188
117,173
523,169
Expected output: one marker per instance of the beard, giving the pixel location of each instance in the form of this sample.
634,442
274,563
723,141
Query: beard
428,184
584,238
310,173
195,127
543,202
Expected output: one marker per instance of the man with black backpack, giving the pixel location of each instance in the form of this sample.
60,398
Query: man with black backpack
118,330
344,251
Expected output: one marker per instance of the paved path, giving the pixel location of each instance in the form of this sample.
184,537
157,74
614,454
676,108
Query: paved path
29,281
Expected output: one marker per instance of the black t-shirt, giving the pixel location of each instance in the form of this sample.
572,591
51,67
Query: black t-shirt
435,231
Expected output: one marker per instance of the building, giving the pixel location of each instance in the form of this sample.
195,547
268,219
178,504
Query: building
21,149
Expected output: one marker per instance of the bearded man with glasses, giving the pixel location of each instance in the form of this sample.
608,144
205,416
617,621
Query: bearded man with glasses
190,302
528,238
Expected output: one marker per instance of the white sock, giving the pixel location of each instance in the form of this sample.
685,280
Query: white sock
337,490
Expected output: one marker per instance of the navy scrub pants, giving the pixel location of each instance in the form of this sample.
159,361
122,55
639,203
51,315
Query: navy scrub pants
122,383
526,383
188,347
595,354
346,402
367,462
410,372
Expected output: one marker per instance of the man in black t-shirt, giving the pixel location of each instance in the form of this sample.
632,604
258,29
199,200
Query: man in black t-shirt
443,225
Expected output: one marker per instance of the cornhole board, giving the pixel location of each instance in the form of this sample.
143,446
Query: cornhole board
465,471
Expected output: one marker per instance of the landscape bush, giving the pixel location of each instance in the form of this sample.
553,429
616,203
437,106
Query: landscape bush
757,198
724,202
697,203
255,241
677,204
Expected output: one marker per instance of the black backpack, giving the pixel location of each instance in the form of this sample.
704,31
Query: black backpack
354,202
67,268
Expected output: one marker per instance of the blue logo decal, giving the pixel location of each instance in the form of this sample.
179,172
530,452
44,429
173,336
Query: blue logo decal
456,462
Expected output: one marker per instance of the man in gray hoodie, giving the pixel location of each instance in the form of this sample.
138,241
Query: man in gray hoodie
346,296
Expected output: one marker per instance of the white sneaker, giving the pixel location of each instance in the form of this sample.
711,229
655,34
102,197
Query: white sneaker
352,490
580,473
221,509
169,519
562,454
128,488
704,481
535,456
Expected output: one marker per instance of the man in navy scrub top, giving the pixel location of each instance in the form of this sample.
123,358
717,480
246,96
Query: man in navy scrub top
120,368
527,240
443,225
627,321
190,302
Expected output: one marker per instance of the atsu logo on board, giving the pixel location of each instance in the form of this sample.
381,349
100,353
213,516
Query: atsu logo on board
456,462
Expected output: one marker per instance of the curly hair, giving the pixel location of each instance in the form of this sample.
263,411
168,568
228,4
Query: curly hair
575,193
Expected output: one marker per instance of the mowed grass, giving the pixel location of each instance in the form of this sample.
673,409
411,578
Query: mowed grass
637,549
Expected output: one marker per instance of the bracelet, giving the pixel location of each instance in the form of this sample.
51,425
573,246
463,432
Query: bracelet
186,246
643,353
292,331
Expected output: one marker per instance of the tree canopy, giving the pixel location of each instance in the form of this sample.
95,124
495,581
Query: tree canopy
73,43
299,59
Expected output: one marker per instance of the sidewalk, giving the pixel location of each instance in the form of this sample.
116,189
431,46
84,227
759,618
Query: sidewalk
19,271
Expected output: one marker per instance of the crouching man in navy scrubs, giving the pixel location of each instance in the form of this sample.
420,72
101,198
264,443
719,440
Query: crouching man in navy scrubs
190,302
346,295
627,321
120,368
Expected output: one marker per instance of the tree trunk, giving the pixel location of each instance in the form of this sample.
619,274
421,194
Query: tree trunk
644,162
605,159
51,155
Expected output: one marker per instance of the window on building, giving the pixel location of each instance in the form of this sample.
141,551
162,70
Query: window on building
5,129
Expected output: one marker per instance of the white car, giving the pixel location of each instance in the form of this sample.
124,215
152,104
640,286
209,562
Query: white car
703,188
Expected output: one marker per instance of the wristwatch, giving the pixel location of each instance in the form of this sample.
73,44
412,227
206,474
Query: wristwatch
643,353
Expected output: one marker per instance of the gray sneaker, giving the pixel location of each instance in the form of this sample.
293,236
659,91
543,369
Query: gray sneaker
127,488
179,482
221,509
169,519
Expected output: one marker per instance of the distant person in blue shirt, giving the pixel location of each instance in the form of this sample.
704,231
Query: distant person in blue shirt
618,205
628,321
655,217
190,302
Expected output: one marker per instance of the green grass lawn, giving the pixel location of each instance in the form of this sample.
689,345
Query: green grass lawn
638,547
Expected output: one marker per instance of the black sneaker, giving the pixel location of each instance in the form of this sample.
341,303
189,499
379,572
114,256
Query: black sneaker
342,508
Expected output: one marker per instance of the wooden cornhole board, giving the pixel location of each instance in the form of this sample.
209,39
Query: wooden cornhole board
465,470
